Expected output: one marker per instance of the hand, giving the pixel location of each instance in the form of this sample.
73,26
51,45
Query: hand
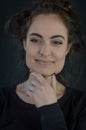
41,90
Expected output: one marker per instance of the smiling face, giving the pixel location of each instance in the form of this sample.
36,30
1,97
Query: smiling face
46,44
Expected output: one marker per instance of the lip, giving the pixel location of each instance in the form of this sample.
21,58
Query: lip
44,62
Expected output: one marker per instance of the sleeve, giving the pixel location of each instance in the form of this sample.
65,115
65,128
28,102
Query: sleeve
52,117
1,106
1,102
4,113
81,116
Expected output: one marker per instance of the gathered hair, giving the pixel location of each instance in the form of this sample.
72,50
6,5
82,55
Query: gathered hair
18,25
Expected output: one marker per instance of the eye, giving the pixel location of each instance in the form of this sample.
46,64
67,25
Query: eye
34,40
57,42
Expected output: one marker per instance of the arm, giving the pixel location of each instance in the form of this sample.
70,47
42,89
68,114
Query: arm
52,117
81,114
43,93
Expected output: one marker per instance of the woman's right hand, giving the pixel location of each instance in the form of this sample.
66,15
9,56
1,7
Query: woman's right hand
41,90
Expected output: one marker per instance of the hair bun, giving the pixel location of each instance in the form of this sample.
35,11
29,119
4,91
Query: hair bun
65,4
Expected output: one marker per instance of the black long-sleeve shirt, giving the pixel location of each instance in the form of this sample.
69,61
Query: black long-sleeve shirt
69,113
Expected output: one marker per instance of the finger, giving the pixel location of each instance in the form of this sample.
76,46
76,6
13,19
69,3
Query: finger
33,80
30,70
39,77
49,79
29,93
36,84
30,89
31,77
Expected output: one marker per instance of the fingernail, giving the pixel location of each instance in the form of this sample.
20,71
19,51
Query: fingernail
33,73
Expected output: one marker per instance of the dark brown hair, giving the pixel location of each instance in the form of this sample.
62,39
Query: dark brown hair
20,23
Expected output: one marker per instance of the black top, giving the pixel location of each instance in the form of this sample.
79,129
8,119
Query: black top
69,113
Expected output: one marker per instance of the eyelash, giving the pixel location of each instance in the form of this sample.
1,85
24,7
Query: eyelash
34,40
56,42
39,41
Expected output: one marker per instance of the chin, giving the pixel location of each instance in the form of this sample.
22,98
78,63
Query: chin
49,73
45,73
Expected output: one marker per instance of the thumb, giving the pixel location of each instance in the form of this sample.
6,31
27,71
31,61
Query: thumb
53,81
48,79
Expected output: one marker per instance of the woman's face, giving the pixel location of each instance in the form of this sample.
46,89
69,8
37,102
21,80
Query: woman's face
46,45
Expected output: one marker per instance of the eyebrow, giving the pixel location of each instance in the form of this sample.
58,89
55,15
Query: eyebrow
55,36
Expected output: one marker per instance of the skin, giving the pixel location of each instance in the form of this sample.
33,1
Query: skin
46,47
45,54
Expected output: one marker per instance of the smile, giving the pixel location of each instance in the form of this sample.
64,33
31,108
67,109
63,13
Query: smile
44,62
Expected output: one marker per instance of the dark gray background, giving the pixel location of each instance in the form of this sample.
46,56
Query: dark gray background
11,71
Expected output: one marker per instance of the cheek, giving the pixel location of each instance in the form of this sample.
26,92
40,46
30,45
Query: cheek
31,53
60,60
29,59
61,54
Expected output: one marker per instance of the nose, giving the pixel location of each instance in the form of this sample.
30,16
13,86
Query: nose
45,50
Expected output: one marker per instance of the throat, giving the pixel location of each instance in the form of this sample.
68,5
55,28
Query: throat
60,89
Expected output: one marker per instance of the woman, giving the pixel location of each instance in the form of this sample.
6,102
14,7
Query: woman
49,32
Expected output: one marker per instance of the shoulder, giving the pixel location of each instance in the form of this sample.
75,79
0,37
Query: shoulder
5,93
3,99
74,98
78,94
78,99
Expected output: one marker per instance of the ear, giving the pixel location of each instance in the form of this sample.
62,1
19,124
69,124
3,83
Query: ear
24,44
68,48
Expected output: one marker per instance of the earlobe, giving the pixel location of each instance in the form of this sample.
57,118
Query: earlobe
24,44
68,48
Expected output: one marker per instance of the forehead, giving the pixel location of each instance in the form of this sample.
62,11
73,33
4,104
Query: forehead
48,24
